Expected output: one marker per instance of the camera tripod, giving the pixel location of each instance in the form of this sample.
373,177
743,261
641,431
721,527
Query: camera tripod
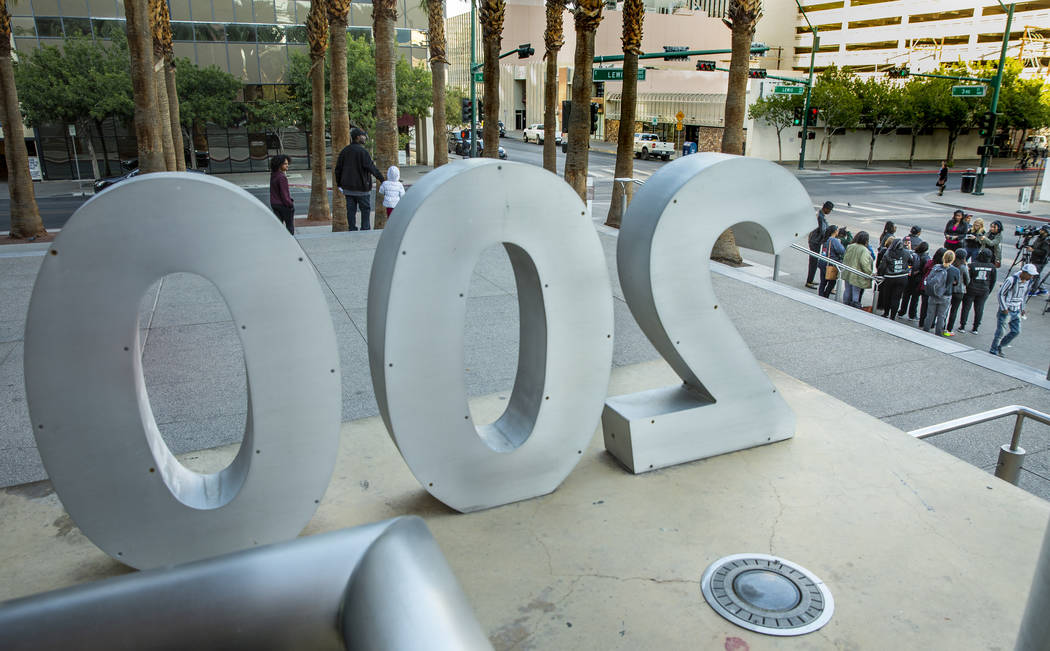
1023,257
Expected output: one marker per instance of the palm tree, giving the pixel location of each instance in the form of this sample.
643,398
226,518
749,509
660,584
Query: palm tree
436,23
25,216
147,120
156,9
553,40
633,16
317,36
168,53
384,19
337,19
491,17
588,14
741,17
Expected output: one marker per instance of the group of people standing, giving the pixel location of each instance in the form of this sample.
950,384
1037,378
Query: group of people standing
932,290
354,171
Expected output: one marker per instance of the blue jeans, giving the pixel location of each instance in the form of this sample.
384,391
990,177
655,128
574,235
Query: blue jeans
851,295
1014,318
353,201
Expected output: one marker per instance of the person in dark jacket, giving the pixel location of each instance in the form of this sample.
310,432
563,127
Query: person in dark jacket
993,241
934,261
955,230
355,171
959,277
982,280
913,238
815,240
894,268
888,231
281,202
833,248
911,296
942,178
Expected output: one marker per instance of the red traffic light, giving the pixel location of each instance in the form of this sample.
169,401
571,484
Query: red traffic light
757,73
705,66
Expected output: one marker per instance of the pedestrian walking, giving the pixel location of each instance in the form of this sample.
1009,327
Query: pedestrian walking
954,231
814,241
859,257
894,268
354,171
939,291
829,273
281,202
982,280
1012,296
959,277
392,189
942,178
912,292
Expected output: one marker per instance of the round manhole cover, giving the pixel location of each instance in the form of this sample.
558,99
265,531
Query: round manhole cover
766,594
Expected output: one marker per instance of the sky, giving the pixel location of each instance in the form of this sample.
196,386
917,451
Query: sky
456,7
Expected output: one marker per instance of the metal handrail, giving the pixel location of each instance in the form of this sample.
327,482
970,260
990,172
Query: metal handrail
838,263
1011,455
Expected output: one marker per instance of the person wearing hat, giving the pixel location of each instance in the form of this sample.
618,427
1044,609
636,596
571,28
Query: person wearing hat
1012,296
354,172
816,237
993,241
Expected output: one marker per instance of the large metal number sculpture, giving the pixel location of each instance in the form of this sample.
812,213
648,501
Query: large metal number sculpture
378,586
88,403
725,401
416,315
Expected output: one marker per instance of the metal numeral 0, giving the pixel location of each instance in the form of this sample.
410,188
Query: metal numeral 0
416,315
725,401
87,398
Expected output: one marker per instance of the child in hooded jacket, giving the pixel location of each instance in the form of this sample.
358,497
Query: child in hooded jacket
392,189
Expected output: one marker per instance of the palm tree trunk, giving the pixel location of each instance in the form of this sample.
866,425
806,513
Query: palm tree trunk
164,113
625,139
105,150
384,18
736,94
580,119
25,216
550,113
318,210
175,116
492,13
340,116
438,61
147,127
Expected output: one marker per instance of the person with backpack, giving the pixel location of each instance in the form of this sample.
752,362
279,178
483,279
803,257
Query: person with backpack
829,273
982,280
931,264
959,277
895,268
815,240
938,292
910,299
1012,296
858,256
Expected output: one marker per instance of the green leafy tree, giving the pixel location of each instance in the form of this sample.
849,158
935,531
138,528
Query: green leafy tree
918,109
83,82
453,97
1022,102
955,113
415,93
778,111
880,108
273,117
839,105
207,96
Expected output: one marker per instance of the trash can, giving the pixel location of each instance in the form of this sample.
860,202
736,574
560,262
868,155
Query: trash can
203,159
688,148
969,178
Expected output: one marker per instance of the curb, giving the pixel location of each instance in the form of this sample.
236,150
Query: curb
1001,213
931,171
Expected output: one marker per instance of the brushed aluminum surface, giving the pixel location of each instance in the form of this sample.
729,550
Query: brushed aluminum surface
88,401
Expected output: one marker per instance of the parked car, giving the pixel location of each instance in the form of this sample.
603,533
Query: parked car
649,144
535,134
101,184
459,144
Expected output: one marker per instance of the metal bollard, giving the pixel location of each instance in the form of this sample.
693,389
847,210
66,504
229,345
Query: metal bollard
776,267
1008,468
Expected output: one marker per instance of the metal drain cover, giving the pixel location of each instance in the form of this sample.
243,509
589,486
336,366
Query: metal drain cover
766,594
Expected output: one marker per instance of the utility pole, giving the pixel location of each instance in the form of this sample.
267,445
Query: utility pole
473,87
989,139
809,90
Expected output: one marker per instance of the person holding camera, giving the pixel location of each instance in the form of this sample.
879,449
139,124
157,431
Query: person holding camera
1012,296
1039,251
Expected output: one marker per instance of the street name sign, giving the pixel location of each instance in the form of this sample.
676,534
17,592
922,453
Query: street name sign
789,90
479,77
613,74
968,91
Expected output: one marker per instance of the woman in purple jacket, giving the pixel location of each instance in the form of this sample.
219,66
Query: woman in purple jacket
281,202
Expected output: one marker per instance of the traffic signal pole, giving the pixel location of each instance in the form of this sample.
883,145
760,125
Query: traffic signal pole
989,139
809,90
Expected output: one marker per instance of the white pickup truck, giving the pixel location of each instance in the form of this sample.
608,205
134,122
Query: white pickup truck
649,144
535,134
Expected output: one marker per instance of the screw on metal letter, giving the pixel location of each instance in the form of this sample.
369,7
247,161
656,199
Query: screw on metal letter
725,402
528,451
85,304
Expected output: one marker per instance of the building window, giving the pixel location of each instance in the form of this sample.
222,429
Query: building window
940,15
239,33
824,6
360,32
820,50
209,32
48,27
182,31
295,34
81,26
1018,8
874,45
998,38
270,34
875,22
23,27
861,3
828,27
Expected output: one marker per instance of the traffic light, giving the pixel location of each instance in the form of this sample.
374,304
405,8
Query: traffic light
705,66
988,150
676,48
986,124
796,120
811,117
481,110
466,110
898,73
525,50
594,117
757,73
810,135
